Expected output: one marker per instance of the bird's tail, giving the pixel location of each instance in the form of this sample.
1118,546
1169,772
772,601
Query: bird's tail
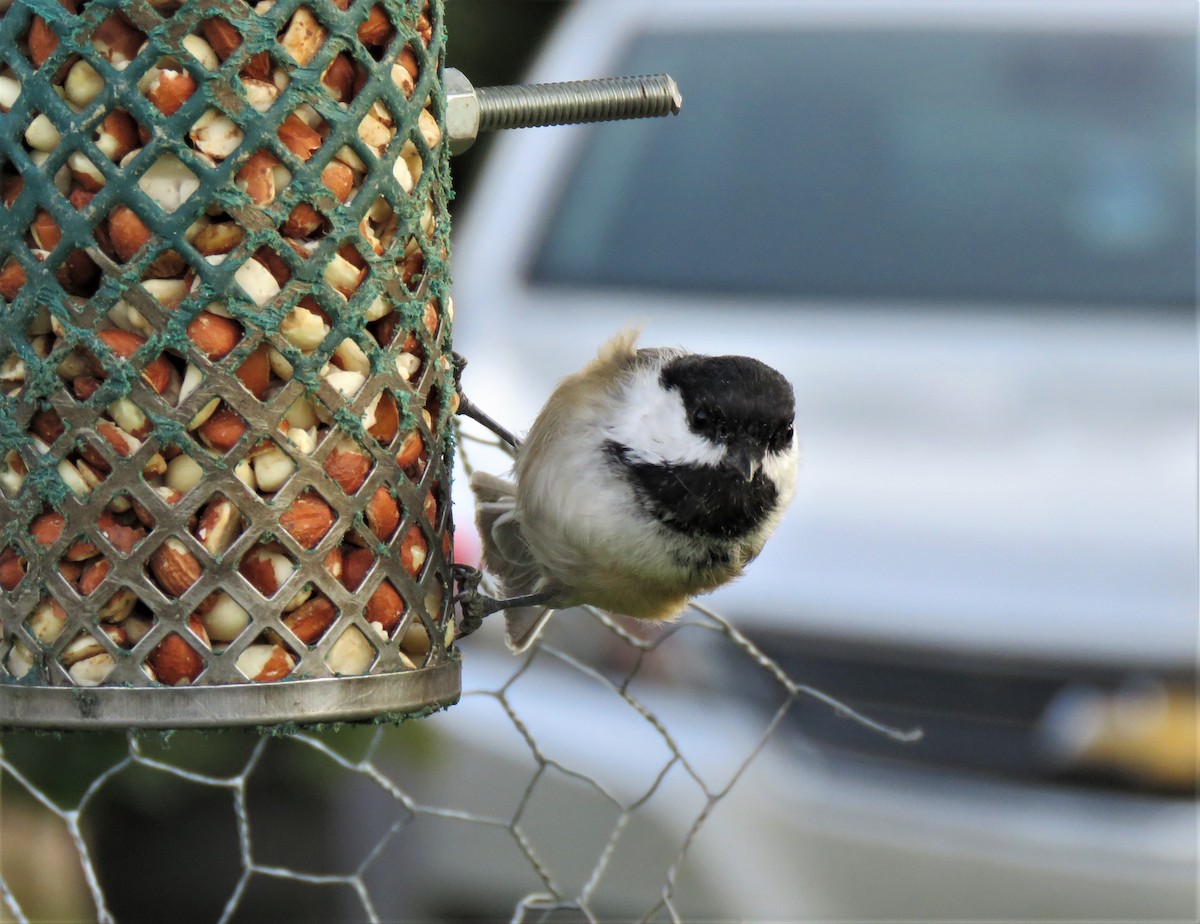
523,624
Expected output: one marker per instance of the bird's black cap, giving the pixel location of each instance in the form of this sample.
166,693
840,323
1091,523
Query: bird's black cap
733,399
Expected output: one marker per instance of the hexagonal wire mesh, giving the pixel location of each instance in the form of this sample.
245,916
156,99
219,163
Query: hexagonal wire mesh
224,386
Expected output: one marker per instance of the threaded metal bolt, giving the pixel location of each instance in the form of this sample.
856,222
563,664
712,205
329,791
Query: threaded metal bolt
471,110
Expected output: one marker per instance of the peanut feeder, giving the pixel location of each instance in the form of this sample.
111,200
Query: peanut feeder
224,384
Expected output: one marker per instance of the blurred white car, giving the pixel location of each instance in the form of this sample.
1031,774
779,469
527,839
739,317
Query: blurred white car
967,233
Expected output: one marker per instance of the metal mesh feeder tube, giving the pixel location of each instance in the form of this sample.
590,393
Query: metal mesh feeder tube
224,372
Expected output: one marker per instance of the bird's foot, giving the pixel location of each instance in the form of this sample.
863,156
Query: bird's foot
476,606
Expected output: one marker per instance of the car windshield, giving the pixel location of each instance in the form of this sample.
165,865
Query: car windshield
1047,169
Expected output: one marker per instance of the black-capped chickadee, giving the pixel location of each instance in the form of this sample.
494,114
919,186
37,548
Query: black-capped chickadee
650,476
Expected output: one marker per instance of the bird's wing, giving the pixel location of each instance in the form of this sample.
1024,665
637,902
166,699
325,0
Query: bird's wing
507,556
505,552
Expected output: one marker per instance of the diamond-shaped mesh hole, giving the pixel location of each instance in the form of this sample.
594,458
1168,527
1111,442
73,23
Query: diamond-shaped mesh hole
377,129
168,86
13,568
376,32
217,237
307,220
222,429
177,659
118,40
311,620
266,661
412,455
303,36
82,85
86,659
344,77
19,661
346,270
89,460
44,232
224,619
40,39
218,524
42,135
85,174
221,37
414,642
357,563
182,475
117,135
93,571
47,526
127,234
214,335
122,525
266,567
306,326
385,609
118,607
261,178
303,132
12,278
255,372
168,182
272,466
345,384
406,71
414,552
261,93
215,135
78,476
129,417
383,514
300,424
79,275
47,621
276,264
382,417
353,653
45,424
413,270
308,518
348,465
173,567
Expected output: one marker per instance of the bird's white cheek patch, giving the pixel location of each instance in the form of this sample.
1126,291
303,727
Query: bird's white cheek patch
781,468
652,423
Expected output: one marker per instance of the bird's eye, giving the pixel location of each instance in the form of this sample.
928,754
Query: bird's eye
784,435
700,418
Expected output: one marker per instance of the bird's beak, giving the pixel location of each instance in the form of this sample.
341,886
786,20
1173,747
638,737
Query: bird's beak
742,460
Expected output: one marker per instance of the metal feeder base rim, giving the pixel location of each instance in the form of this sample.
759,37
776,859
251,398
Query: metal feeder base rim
286,702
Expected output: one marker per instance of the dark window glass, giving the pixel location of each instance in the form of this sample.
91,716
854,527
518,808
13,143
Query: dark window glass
928,166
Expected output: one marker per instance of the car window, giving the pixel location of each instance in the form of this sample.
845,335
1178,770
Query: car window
867,164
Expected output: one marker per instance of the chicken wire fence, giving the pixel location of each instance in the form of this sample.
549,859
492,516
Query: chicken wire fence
492,804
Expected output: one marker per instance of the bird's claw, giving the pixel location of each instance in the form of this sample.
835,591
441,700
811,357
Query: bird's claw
473,605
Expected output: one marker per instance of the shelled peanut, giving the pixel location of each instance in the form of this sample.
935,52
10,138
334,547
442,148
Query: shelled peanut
222,343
